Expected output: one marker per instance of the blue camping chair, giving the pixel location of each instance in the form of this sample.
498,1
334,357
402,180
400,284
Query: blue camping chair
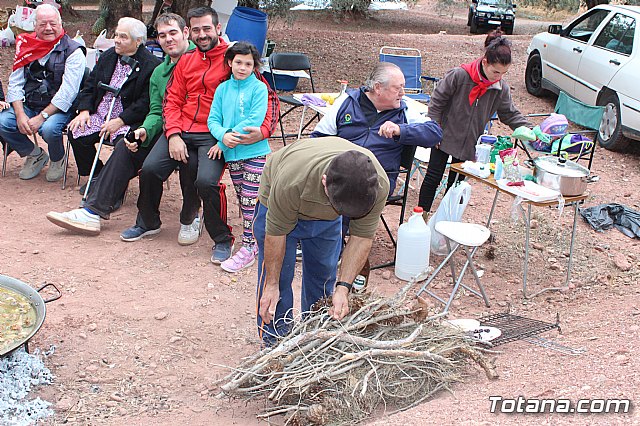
417,86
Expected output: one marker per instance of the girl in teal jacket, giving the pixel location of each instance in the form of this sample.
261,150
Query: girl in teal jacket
238,103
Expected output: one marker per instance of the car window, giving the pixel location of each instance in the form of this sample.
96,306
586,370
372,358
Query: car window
583,28
617,35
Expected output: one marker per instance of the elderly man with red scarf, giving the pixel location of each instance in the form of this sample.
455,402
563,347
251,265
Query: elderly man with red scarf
462,103
47,72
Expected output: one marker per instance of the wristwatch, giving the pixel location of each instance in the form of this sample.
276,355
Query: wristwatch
344,284
44,115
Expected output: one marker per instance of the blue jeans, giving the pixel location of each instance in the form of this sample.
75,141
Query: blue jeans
321,241
50,131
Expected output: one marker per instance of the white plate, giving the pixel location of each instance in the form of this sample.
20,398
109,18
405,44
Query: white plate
530,191
464,324
486,333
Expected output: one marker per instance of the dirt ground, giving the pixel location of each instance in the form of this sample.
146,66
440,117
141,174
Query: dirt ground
143,329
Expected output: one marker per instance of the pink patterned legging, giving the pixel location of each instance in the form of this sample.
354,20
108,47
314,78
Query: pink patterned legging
245,175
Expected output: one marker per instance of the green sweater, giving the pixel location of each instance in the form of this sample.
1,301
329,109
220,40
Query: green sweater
291,186
157,87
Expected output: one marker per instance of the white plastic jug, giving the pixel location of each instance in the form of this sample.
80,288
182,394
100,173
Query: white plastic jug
413,248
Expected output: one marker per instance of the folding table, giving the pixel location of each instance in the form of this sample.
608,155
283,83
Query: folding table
574,201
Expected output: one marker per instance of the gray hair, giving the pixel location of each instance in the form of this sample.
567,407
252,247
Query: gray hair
137,29
51,8
380,74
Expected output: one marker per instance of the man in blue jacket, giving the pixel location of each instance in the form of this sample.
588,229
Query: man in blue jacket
375,117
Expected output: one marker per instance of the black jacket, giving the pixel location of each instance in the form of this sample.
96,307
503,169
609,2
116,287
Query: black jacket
134,93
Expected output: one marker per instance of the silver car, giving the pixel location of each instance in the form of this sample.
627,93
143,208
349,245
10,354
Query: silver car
594,59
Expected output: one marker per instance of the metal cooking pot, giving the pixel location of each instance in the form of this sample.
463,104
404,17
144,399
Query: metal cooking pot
560,174
37,302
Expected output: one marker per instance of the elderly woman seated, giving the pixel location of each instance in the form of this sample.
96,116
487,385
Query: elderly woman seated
131,104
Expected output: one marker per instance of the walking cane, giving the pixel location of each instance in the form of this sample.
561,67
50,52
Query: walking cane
125,60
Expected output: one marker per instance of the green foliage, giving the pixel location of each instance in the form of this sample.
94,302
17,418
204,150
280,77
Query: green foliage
99,25
254,4
446,7
278,10
350,7
568,5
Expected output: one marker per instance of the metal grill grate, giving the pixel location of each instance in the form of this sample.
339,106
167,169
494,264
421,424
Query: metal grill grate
515,327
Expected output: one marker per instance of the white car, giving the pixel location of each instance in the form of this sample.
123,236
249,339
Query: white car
595,59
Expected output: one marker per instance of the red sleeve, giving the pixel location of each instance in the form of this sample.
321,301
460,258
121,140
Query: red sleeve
273,110
174,100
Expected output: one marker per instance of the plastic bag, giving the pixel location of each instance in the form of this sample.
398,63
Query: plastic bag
24,20
78,39
621,217
7,37
450,209
510,167
103,43
503,142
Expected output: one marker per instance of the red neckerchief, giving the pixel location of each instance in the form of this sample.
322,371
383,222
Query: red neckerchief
482,84
29,49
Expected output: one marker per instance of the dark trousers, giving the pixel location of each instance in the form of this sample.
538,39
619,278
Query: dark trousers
84,151
109,187
199,180
435,171
321,241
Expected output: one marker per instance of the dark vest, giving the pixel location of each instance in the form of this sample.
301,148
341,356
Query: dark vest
43,82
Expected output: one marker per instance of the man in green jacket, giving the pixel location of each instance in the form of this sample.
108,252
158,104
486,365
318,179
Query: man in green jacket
128,155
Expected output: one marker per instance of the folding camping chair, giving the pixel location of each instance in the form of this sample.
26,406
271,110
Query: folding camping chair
6,151
420,164
5,154
587,116
406,160
290,62
417,86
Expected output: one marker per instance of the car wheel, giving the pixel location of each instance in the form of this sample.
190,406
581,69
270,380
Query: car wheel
533,75
474,26
610,132
469,18
508,30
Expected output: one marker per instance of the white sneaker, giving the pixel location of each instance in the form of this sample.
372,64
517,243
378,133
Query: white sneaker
189,234
78,220
56,171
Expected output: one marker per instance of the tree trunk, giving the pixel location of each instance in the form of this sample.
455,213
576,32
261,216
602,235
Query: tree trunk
254,4
592,3
181,7
111,11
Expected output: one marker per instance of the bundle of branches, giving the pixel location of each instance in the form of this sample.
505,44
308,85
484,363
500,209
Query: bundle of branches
381,356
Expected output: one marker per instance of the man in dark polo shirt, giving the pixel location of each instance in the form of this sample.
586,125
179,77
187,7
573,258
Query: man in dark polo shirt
305,189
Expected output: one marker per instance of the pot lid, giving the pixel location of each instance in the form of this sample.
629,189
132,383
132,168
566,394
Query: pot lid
561,166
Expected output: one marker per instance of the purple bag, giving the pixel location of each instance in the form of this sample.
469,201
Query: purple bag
541,146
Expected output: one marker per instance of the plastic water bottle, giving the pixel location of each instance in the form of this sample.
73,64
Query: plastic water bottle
414,243
498,172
